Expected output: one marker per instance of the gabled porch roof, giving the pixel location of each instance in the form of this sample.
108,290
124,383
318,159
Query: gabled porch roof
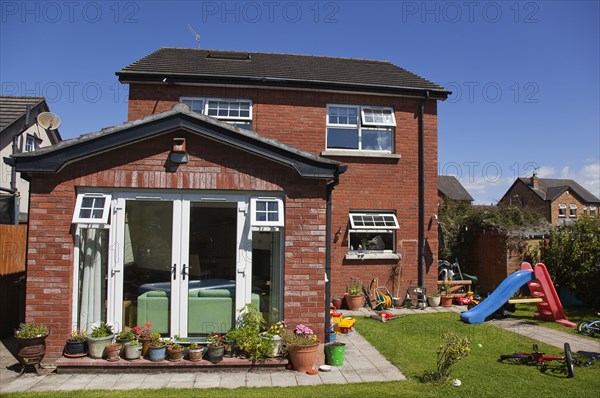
53,158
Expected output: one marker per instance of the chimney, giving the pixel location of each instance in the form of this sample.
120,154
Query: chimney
534,181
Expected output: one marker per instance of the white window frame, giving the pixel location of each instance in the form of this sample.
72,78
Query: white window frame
280,212
361,125
31,143
234,100
77,219
380,109
592,211
354,228
562,210
572,210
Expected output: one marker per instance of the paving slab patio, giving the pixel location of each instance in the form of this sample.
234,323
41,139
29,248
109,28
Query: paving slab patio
363,363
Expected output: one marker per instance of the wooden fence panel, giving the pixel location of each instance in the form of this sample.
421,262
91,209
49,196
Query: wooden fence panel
13,244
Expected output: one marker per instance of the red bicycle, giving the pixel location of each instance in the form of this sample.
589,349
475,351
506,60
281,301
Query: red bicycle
542,360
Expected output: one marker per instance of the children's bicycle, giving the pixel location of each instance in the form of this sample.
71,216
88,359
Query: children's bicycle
589,328
542,360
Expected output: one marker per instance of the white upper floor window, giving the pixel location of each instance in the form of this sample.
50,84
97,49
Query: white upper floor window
572,210
92,208
234,111
267,212
562,210
360,128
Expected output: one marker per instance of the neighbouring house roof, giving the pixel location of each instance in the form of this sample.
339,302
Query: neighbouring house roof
549,189
53,158
277,70
13,112
450,187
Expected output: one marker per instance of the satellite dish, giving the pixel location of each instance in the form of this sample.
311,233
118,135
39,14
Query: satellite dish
48,120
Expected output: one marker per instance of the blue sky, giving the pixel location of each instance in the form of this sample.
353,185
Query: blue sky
525,75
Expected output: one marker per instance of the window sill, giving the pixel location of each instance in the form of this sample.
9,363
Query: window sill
359,154
371,256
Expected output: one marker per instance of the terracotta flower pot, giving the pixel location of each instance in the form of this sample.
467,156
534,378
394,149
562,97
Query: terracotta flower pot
174,355
195,355
112,352
447,301
355,303
303,357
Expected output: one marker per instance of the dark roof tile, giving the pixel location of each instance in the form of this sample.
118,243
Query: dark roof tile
277,69
449,186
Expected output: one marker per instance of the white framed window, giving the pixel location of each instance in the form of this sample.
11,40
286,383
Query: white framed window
573,210
360,128
31,143
230,110
372,232
267,212
592,211
92,208
562,210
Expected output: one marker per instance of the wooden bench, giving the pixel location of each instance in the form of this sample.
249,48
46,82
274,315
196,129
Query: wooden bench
455,286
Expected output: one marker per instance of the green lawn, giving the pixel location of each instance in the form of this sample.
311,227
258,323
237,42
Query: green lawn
574,314
411,343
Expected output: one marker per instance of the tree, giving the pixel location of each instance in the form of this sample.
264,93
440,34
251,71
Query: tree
572,255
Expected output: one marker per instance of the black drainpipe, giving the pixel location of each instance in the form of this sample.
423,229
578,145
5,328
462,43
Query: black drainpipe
330,187
421,243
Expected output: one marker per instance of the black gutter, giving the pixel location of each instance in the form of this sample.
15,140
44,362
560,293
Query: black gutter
133,77
421,241
330,187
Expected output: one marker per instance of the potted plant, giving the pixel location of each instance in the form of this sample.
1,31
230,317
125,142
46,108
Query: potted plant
99,338
158,348
337,302
112,352
246,335
76,345
273,335
123,337
433,300
133,350
216,348
31,341
195,352
301,346
175,352
355,297
143,334
447,297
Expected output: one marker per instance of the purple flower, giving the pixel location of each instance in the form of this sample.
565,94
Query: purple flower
303,330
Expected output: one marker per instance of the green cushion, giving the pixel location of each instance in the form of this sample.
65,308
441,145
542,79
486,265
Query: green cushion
215,293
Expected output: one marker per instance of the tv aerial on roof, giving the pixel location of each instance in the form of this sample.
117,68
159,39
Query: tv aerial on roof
196,35
48,120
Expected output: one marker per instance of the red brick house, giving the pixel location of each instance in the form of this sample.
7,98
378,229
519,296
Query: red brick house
284,176
560,201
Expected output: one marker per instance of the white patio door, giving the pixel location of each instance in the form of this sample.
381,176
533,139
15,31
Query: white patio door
167,248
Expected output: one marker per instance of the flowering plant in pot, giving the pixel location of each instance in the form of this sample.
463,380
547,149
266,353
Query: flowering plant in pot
274,334
76,345
31,341
100,336
246,334
143,334
355,296
301,345
216,347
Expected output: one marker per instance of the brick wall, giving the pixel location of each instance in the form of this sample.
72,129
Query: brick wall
521,195
142,165
298,118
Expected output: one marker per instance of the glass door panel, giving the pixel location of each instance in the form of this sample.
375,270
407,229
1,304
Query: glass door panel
266,273
147,264
212,267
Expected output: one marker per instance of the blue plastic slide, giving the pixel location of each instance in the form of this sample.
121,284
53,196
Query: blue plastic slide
501,295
